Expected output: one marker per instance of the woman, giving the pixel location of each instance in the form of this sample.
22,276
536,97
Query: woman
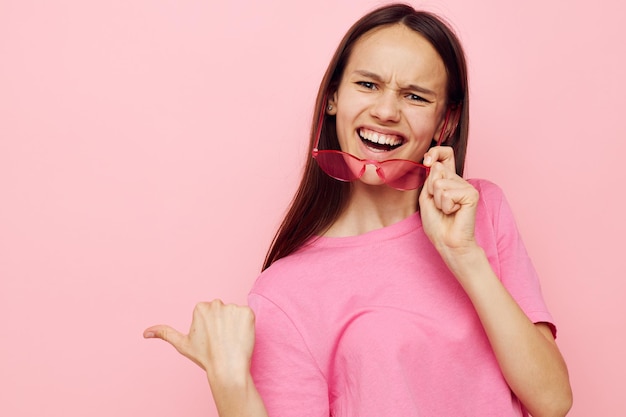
392,287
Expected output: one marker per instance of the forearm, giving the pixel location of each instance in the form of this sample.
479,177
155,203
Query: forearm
236,397
530,360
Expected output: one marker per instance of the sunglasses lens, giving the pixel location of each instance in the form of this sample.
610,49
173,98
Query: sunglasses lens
339,165
404,175
396,173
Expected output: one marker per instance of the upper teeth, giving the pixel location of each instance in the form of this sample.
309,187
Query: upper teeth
380,138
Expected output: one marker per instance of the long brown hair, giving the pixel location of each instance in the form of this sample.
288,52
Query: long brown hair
319,198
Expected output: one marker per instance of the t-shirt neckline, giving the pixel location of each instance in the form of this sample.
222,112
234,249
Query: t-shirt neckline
392,231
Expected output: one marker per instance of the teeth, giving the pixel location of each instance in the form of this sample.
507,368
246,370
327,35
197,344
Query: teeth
390,140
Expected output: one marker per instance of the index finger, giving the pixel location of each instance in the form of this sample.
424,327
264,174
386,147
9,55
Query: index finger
443,154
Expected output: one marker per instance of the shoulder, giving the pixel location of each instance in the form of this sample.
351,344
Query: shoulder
493,202
488,190
286,275
495,220
494,216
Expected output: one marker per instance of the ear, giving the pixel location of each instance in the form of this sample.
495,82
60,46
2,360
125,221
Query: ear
331,105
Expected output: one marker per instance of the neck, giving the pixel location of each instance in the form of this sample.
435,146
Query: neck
372,207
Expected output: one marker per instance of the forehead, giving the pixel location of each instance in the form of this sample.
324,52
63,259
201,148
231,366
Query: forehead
398,52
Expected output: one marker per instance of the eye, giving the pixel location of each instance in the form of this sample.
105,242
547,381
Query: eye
367,84
416,98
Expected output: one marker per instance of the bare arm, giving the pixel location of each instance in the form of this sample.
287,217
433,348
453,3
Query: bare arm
526,352
220,341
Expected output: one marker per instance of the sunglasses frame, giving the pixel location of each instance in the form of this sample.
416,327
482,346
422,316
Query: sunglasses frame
365,162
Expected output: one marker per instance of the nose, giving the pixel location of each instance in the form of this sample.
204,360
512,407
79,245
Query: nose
386,107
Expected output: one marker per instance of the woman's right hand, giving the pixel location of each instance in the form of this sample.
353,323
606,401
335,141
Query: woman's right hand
220,340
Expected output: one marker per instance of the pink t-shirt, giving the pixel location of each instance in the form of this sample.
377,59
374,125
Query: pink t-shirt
376,325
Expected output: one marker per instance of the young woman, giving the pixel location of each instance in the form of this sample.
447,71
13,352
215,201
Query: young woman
394,286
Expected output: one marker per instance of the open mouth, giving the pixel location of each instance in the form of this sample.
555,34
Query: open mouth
379,141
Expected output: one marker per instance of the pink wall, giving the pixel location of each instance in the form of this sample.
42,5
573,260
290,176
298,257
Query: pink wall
148,150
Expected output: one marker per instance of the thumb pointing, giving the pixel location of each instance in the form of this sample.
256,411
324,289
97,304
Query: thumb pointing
164,332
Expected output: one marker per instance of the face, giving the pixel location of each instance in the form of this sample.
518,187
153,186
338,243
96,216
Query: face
391,100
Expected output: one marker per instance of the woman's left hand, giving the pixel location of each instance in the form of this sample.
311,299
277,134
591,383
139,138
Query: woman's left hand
447,206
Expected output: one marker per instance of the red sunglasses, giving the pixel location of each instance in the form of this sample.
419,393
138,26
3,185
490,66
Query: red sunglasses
400,174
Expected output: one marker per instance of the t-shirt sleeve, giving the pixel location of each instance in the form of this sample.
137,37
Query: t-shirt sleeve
283,369
516,270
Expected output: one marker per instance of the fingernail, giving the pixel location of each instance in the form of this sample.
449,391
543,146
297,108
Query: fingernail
148,335
427,159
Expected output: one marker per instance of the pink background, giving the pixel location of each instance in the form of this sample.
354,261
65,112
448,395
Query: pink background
148,149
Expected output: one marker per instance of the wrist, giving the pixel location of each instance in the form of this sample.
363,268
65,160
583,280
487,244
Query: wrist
235,394
465,262
220,376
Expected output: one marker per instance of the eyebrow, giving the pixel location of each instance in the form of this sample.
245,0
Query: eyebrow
379,79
